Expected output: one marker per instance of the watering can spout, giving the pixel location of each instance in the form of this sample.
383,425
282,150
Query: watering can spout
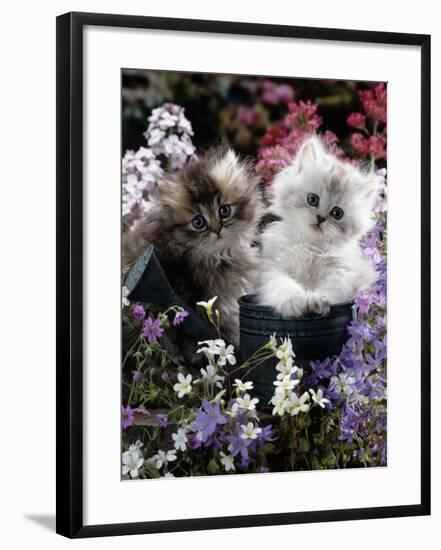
147,283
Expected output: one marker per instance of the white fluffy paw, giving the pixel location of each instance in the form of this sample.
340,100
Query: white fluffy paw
317,303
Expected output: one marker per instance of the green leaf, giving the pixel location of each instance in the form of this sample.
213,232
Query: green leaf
304,445
213,466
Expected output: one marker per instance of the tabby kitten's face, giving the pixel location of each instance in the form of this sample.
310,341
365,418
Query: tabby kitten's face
210,206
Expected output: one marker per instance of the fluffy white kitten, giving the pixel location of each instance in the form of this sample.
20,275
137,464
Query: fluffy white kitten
312,258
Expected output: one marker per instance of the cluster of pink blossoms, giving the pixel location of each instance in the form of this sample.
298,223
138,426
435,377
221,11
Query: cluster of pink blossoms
170,147
371,139
282,141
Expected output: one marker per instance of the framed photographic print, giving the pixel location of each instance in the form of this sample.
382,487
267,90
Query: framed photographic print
243,274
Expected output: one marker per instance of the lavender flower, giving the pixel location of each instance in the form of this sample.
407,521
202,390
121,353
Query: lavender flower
207,420
138,312
152,330
128,417
179,317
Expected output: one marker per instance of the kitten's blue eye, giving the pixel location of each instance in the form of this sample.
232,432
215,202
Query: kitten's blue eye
337,213
198,222
225,211
313,199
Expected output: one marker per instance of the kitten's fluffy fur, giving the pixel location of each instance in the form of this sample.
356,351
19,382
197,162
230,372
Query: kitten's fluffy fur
218,260
307,265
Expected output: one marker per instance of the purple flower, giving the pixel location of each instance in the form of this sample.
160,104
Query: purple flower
138,312
179,317
364,301
152,330
136,375
207,419
161,419
193,442
238,445
128,417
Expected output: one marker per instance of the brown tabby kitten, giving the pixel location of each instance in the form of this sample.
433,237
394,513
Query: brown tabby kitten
203,226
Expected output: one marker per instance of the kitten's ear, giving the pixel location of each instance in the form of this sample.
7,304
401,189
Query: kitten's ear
369,188
309,153
227,167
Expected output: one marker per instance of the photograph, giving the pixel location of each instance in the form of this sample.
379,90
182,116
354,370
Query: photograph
253,274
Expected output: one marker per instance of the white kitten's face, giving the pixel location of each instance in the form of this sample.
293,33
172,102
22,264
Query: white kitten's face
323,200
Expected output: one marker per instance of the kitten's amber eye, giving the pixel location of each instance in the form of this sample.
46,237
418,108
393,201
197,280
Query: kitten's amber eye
337,213
225,211
313,199
198,222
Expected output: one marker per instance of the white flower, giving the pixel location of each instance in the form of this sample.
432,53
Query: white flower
272,342
124,293
131,463
249,431
318,398
279,402
180,439
183,386
210,374
168,475
208,306
226,354
246,402
243,386
295,404
286,369
212,347
136,446
285,386
284,351
162,457
218,397
228,462
343,383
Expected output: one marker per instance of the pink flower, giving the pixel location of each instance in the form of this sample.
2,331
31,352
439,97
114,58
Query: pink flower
377,146
375,102
359,144
356,120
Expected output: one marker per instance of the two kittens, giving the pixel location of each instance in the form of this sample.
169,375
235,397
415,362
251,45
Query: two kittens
205,225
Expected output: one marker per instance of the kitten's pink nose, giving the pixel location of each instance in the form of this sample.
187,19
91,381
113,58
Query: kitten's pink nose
320,219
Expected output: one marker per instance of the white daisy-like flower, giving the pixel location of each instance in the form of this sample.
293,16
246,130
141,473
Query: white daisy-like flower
318,398
211,347
249,431
132,461
294,404
163,457
246,402
279,402
226,355
180,439
285,386
228,462
242,387
286,369
183,386
210,374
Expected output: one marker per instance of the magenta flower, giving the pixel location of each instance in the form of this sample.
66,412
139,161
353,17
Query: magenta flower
138,312
179,317
356,120
152,330
128,417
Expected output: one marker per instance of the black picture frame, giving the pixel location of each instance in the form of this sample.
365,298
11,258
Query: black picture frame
69,293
